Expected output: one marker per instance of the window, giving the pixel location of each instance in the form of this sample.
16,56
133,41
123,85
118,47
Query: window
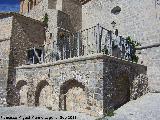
116,10
34,56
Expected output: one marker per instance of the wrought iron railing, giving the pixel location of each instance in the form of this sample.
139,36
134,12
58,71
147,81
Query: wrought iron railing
96,39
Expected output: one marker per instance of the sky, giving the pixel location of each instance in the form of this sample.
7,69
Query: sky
9,5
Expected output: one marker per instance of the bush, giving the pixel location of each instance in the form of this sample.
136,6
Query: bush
134,44
45,19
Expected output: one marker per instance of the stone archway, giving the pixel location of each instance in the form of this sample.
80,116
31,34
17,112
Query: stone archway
122,91
72,96
22,90
43,94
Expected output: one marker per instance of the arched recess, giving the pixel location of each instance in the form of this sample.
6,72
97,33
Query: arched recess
43,94
122,90
72,96
22,90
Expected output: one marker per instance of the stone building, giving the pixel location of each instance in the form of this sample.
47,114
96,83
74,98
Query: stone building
16,38
69,53
138,19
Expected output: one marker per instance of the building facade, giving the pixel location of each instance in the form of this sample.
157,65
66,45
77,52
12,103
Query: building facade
80,49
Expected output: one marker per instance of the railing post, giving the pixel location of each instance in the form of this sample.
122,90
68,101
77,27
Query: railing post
110,42
33,55
98,38
78,44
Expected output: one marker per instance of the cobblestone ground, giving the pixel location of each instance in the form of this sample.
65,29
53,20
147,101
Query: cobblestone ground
145,108
39,113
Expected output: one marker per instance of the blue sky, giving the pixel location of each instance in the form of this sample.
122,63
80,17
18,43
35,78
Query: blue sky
9,5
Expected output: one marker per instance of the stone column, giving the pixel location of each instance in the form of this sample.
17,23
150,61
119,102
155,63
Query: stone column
31,94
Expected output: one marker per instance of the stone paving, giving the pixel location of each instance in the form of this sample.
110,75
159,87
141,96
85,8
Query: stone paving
40,113
144,108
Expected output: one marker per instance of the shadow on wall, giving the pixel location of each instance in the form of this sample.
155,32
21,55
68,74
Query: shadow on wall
39,88
19,86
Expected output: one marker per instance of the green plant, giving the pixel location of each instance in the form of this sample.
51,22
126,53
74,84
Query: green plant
45,19
134,45
110,113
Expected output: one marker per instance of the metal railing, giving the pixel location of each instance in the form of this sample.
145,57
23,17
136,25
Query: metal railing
96,39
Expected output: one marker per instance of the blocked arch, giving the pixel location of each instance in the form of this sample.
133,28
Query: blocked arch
39,88
122,89
19,86
64,88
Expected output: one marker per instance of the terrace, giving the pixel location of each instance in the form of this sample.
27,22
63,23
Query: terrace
96,39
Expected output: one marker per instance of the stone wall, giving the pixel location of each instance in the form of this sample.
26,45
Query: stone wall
89,80
73,8
6,28
151,58
38,11
5,36
139,19
4,63
18,34
27,33
123,81
52,4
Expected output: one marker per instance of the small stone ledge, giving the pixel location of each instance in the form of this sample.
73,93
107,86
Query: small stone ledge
77,59
2,15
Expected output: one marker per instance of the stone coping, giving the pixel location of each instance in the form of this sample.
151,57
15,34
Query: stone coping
9,14
149,46
77,59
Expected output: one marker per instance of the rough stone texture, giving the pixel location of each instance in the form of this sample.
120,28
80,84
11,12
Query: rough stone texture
24,112
144,108
6,28
4,63
45,6
139,19
151,58
20,34
5,36
93,76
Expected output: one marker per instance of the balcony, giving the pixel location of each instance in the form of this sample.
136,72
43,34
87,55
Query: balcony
96,39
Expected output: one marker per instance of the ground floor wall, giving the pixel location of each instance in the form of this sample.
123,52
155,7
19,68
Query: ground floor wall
86,84
151,58
4,63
